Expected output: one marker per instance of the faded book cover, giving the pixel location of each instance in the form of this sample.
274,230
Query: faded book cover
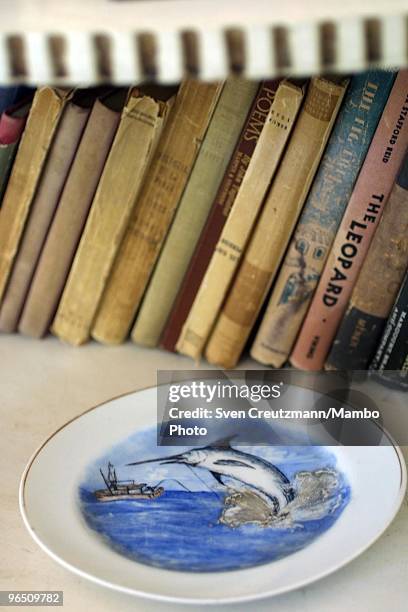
108,218
328,197
377,285
69,220
390,363
277,220
236,232
42,122
220,209
12,124
355,232
160,195
218,145
60,157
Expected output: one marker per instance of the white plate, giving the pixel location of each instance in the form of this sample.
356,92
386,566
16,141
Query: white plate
174,547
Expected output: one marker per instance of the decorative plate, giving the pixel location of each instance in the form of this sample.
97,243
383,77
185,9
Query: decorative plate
213,524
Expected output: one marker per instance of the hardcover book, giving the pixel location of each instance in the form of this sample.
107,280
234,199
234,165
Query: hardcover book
45,114
377,285
390,363
160,195
111,208
70,217
277,220
220,209
222,134
12,123
355,232
237,229
331,190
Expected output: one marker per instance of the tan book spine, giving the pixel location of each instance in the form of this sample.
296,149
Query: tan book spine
44,116
212,160
161,193
113,203
236,231
278,218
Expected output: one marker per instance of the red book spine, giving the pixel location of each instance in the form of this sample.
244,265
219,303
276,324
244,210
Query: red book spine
356,231
219,212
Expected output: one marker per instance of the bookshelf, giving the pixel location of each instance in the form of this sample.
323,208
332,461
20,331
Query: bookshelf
77,41
84,42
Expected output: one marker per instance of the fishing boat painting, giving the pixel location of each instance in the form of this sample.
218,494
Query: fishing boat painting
215,508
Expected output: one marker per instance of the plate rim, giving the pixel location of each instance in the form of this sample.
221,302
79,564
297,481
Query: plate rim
208,601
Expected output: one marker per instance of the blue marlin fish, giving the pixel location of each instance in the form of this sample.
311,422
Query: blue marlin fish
221,460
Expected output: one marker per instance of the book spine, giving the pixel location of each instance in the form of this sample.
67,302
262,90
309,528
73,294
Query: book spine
238,227
221,207
7,156
215,153
59,160
65,232
161,193
45,114
279,215
355,232
12,124
108,218
390,363
377,286
325,204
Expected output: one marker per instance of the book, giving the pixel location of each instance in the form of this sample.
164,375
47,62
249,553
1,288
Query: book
220,209
390,363
161,193
237,229
111,208
13,95
355,232
60,158
45,114
215,153
12,124
276,223
377,285
70,217
331,190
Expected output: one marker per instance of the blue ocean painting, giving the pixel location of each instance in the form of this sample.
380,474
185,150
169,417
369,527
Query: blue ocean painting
217,508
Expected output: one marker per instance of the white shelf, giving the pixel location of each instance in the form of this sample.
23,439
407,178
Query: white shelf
86,41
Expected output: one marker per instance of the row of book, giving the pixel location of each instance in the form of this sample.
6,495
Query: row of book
207,217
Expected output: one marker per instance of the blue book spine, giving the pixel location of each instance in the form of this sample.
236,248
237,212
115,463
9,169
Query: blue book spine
9,96
356,123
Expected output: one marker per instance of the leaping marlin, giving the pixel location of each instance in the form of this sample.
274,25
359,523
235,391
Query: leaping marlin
220,459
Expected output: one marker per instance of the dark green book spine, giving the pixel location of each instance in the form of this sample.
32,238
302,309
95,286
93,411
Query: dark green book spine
390,364
7,155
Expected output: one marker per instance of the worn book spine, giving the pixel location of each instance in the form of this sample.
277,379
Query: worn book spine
238,227
44,117
11,129
355,232
390,363
59,161
331,190
66,228
218,145
108,218
161,193
377,285
277,220
221,207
